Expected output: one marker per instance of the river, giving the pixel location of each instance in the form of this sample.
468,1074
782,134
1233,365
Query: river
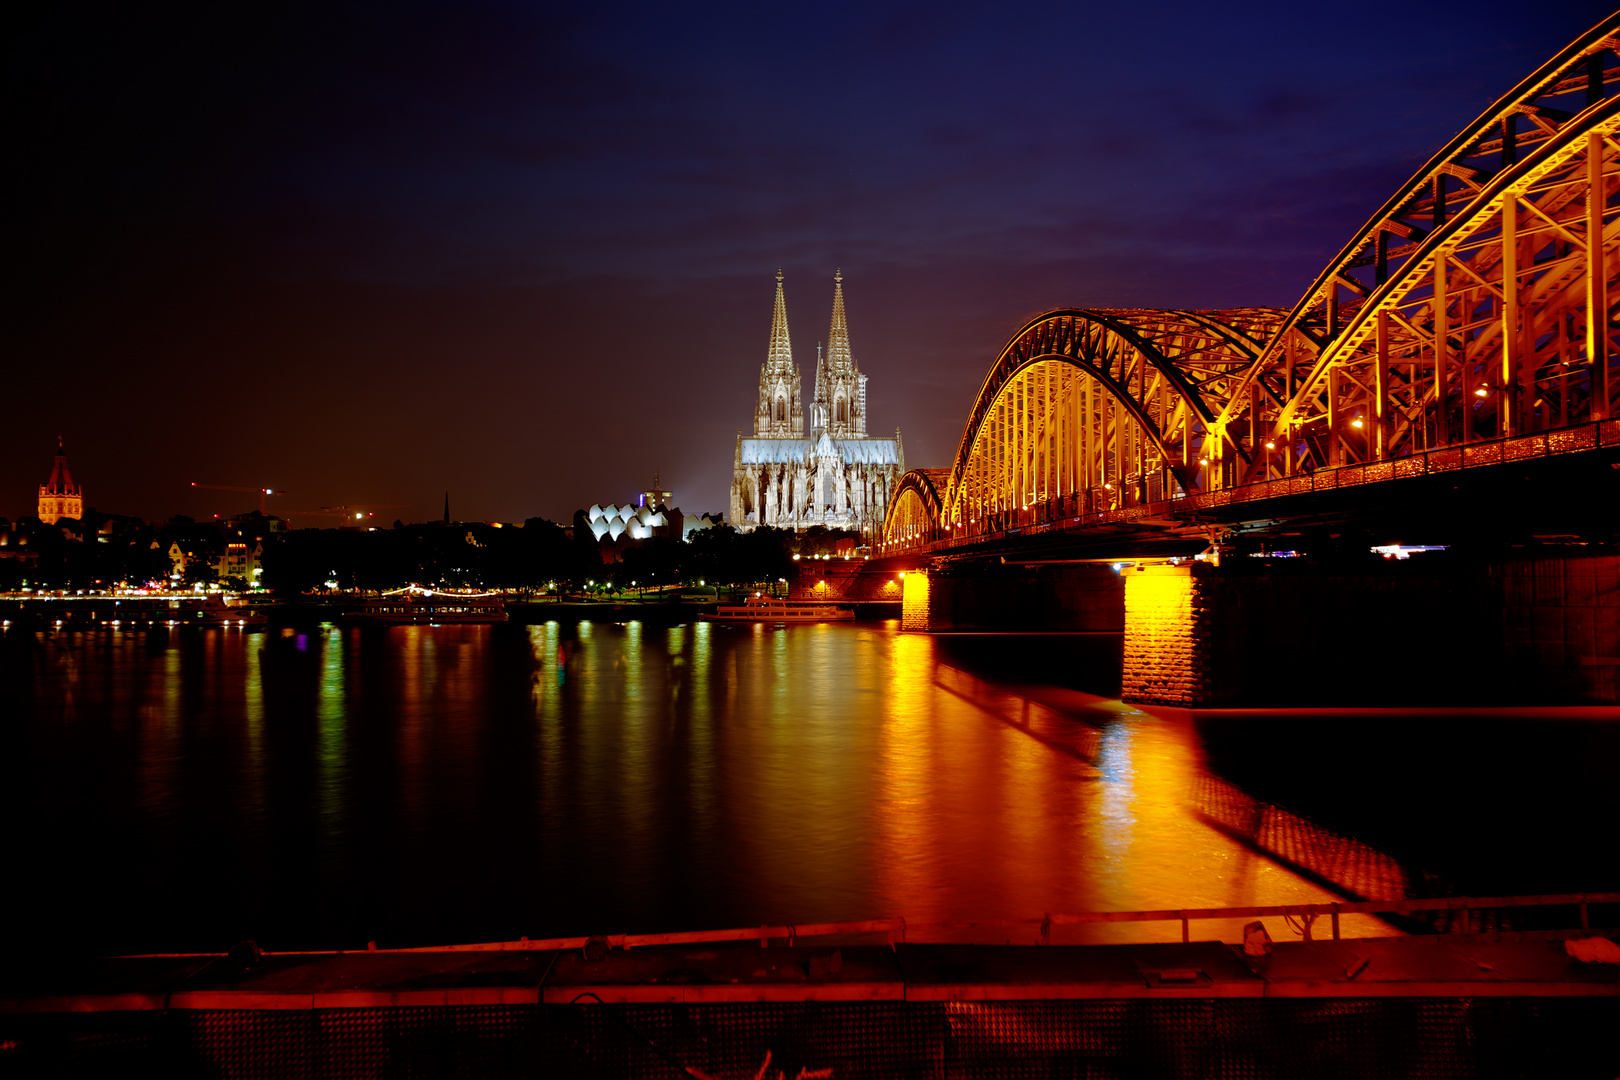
326,787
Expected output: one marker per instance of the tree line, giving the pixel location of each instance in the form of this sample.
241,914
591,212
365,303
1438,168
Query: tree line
539,554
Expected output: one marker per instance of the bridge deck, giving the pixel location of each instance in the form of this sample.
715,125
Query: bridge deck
1058,519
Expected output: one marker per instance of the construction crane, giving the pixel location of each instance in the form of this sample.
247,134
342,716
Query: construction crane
263,492
346,516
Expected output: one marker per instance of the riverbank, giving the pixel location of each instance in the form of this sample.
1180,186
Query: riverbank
659,612
1458,1005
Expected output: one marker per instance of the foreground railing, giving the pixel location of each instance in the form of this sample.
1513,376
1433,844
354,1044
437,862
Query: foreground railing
1301,916
897,929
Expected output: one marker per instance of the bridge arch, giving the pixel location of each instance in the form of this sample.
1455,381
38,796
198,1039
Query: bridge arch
1459,312
1089,408
914,510
1479,304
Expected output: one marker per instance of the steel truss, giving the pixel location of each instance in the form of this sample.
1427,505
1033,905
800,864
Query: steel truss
1459,313
915,508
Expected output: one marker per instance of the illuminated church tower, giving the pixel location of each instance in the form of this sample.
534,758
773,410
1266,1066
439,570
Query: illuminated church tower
839,407
833,475
779,414
61,498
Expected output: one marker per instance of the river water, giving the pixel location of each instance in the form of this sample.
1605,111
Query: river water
184,789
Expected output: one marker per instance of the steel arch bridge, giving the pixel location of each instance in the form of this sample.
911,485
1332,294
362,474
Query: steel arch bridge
1471,321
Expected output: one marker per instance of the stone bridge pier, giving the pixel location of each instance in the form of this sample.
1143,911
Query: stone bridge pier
1289,633
1085,597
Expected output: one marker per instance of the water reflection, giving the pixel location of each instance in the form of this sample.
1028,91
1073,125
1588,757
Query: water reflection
416,785
331,718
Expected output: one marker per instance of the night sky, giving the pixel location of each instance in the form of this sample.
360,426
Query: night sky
524,252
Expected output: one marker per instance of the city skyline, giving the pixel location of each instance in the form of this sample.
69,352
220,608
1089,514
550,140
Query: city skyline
366,260
1135,708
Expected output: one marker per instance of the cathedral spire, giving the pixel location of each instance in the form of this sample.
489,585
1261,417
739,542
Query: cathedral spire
838,337
61,482
840,401
781,354
779,414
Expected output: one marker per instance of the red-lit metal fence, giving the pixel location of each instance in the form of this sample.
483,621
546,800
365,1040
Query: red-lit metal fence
898,929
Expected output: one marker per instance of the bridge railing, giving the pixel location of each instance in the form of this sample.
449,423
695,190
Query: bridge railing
1575,439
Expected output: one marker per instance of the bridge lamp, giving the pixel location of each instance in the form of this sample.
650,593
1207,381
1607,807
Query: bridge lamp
1483,391
1271,446
1356,423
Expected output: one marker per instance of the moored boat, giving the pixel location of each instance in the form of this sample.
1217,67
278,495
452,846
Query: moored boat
769,609
410,609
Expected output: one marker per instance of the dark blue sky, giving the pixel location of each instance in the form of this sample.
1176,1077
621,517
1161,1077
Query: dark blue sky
525,252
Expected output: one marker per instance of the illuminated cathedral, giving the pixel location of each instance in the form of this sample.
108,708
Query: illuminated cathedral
831,473
61,497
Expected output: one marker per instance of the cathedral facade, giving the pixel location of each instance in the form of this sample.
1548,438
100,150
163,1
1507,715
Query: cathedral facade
830,472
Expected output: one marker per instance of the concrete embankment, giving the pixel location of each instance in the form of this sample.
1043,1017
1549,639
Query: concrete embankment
1452,1005
656,611
530,612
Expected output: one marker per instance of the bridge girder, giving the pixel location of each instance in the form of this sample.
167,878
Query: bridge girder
1457,314
914,509
1081,399
1361,343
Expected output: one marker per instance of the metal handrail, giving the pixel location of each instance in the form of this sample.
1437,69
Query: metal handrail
897,929
1481,452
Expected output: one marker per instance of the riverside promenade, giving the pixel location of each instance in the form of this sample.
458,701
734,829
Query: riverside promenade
1460,1004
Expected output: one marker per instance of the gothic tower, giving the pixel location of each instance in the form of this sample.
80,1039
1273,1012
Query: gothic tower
835,475
61,497
840,401
780,413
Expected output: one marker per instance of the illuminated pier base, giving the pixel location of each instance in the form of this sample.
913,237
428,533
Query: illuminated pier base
914,601
1066,598
1288,633
1172,623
